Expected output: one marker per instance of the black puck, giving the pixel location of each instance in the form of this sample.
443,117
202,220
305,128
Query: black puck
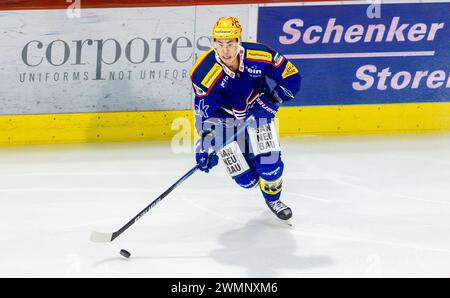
125,253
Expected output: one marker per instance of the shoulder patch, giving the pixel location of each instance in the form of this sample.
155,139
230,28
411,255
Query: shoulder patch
278,59
289,70
212,75
258,55
199,91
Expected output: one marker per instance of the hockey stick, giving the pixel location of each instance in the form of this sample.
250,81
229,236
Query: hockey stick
109,237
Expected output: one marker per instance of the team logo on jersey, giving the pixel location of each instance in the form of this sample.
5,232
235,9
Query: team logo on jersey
278,59
201,109
212,75
199,91
259,55
289,70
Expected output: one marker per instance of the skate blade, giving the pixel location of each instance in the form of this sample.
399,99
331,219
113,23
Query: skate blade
289,222
285,222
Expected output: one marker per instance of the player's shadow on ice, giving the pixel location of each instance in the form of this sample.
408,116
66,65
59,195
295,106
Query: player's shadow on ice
264,248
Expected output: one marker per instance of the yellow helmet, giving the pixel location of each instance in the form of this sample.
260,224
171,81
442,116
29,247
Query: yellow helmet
227,27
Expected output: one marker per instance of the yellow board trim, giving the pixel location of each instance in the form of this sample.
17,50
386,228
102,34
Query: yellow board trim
259,55
364,119
90,127
157,125
212,75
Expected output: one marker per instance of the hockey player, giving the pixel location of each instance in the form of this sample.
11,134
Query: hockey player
229,81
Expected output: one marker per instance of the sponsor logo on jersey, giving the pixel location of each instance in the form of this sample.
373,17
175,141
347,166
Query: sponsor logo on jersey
289,70
253,71
212,75
259,55
224,82
199,91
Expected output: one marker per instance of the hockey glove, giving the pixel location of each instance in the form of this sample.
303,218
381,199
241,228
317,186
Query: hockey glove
206,161
204,153
265,108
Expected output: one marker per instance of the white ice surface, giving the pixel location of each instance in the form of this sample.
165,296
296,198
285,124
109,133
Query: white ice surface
363,206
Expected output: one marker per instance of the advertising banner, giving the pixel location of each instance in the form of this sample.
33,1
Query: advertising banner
103,60
363,53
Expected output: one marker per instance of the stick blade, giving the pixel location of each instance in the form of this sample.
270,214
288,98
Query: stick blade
101,237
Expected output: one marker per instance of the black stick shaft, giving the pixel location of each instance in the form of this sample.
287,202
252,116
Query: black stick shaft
153,204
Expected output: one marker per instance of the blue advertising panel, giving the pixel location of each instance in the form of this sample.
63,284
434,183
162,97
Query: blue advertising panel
362,53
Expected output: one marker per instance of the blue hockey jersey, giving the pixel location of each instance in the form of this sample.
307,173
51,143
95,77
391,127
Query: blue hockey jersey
223,93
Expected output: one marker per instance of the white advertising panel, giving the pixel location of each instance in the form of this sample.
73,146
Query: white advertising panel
135,59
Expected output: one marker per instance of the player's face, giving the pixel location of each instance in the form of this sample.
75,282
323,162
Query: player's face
227,50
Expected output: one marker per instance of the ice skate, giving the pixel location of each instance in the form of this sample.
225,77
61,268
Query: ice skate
280,209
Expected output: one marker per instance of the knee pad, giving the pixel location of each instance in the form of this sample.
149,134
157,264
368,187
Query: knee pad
248,180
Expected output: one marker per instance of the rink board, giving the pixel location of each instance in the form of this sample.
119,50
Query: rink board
164,125
91,97
352,54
